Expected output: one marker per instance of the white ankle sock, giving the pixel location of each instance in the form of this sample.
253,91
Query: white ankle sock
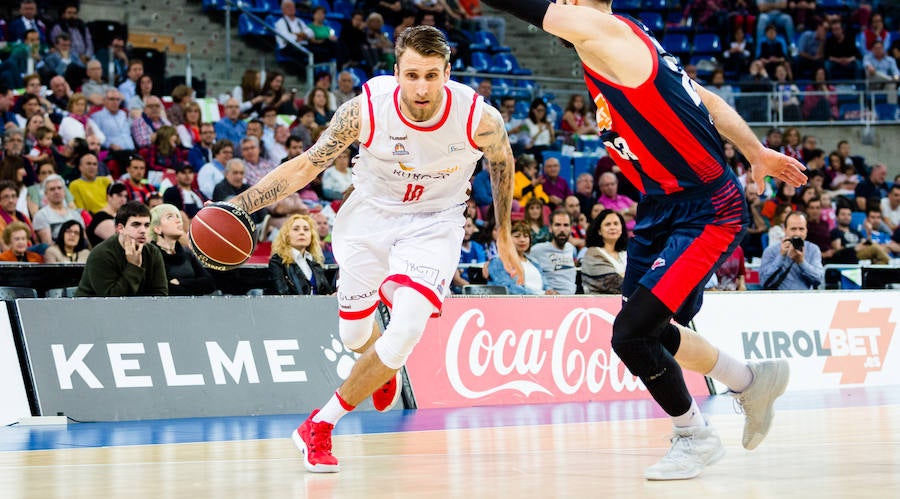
734,373
332,411
692,417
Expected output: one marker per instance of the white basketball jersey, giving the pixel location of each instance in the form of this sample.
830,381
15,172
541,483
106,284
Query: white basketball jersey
410,168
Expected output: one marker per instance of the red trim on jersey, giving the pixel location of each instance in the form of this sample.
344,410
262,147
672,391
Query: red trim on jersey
652,48
693,264
357,315
368,141
469,122
404,280
440,123
649,164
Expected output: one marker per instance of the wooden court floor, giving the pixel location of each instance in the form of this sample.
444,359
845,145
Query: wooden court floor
826,449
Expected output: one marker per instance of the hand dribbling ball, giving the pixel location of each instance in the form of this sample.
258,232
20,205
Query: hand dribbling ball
222,236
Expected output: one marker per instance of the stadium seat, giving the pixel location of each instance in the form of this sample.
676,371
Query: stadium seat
485,41
335,25
63,292
506,63
677,44
631,7
250,27
484,289
344,7
521,111
654,22
215,5
154,64
850,112
13,293
857,219
480,62
887,112
269,6
654,5
673,23
583,164
103,32
707,44
359,76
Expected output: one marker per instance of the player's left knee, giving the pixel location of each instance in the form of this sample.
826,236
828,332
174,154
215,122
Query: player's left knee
408,319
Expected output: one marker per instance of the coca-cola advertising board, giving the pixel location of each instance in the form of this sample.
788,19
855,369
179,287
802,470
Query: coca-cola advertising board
524,350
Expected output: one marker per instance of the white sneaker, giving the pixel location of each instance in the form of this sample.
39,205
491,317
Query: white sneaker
692,448
770,378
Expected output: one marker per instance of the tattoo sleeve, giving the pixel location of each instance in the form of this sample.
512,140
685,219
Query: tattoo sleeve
491,136
294,174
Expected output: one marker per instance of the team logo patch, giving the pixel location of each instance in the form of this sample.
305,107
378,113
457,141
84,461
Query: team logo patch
459,146
400,150
659,262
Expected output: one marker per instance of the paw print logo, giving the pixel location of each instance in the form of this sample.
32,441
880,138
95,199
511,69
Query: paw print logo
342,358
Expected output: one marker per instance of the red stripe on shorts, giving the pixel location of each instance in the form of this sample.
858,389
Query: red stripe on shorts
403,280
694,264
357,315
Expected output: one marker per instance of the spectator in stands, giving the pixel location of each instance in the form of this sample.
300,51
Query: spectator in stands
818,229
603,263
296,264
182,195
154,200
8,119
774,139
27,21
791,143
94,89
28,105
776,230
114,61
811,49
184,273
771,13
17,237
213,172
820,101
378,48
164,155
89,190
249,92
323,228
129,87
255,128
49,219
346,89
9,196
64,62
189,129
70,24
269,121
527,182
772,51
848,158
320,107
786,95
337,179
784,195
144,93
556,258
533,281
233,183
890,207
584,190
881,71
873,228
230,127
555,187
844,236
612,200
471,252
735,160
36,195
392,11
40,140
115,126
201,151
474,14
59,95
534,217
24,58
352,41
873,189
323,43
540,130
278,150
576,119
144,128
802,12
718,86
136,184
304,127
842,58
875,32
290,27
102,224
15,169
69,246
257,166
738,54
795,263
756,81
124,264
182,95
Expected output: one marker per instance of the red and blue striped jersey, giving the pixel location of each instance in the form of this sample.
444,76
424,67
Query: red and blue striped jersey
659,134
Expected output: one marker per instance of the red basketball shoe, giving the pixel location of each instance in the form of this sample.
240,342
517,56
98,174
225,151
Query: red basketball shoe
388,394
314,441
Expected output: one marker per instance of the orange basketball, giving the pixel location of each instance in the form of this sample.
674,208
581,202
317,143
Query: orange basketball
222,236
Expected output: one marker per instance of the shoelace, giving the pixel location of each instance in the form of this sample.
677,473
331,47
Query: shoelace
681,444
321,441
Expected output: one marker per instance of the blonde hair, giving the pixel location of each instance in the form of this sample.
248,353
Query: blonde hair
75,99
15,227
282,244
427,41
156,215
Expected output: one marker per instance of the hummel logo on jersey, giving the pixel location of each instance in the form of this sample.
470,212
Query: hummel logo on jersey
459,146
659,262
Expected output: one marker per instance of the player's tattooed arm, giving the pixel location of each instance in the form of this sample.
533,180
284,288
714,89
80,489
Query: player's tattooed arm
491,137
296,173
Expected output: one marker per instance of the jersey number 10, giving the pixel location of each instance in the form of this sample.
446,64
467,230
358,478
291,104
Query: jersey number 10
413,193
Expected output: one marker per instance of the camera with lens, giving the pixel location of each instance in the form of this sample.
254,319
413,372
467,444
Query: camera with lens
797,243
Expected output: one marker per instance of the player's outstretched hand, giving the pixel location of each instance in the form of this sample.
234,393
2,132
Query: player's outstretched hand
773,163
506,250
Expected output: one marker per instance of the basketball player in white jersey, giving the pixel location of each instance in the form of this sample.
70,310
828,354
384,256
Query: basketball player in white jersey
398,235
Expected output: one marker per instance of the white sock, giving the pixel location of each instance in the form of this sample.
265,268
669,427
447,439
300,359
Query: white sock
692,417
734,373
333,411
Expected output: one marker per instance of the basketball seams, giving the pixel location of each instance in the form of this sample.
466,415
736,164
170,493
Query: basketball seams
224,239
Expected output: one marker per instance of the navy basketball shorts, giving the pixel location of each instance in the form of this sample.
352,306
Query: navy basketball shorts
680,240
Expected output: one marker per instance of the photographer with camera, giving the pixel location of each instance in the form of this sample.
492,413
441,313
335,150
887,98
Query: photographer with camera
795,263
